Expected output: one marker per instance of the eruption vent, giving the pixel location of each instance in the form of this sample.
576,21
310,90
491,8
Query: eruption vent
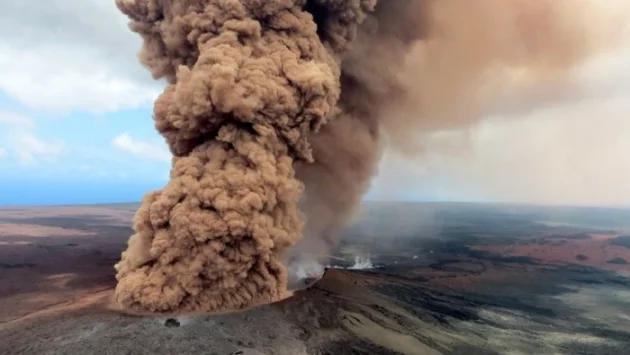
274,113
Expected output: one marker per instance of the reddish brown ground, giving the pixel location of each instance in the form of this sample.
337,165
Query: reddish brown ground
120,214
33,230
46,263
597,249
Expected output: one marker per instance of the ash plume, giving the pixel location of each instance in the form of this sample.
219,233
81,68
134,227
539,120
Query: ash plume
277,113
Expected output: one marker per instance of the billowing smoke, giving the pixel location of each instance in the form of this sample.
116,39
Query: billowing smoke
277,113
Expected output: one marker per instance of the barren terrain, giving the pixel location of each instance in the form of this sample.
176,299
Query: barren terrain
406,279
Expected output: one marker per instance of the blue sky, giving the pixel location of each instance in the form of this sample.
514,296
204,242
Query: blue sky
78,157
76,127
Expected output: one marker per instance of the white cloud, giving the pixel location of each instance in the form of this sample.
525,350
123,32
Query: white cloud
146,150
22,143
31,150
64,55
3,152
16,121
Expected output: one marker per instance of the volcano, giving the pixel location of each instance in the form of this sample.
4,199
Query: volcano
485,281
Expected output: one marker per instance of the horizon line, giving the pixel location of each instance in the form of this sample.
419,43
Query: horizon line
420,201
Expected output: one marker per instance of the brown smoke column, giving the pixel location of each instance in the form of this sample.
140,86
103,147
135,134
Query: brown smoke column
276,112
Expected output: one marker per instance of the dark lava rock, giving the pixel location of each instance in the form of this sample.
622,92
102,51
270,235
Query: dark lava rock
171,323
578,236
17,266
622,241
618,261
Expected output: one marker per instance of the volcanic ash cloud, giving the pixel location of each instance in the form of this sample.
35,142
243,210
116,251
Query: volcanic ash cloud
248,82
275,113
